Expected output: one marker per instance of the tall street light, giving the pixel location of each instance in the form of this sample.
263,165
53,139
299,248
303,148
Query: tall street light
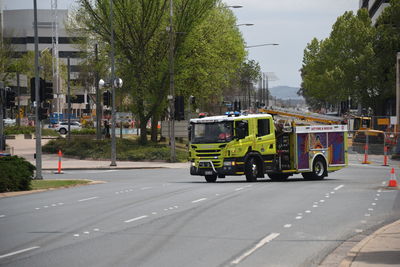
244,24
171,96
113,141
251,46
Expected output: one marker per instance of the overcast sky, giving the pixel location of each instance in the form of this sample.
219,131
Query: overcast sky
290,23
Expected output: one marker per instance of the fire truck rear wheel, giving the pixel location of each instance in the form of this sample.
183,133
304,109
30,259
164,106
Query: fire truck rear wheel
251,170
319,170
211,178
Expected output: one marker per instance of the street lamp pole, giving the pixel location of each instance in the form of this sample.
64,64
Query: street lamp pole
113,141
171,97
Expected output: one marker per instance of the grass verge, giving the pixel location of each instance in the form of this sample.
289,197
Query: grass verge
46,184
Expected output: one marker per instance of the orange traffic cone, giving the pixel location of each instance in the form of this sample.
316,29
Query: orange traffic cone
392,181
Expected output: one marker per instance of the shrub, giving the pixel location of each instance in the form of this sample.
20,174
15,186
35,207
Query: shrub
8,130
15,174
84,131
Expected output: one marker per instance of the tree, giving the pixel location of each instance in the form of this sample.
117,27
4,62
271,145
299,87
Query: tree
340,66
386,46
142,46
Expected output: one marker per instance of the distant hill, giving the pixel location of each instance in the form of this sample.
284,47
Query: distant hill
285,92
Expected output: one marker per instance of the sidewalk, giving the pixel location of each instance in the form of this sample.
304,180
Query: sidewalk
26,148
382,248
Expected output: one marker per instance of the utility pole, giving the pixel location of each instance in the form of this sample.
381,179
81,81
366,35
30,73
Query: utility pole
113,141
98,105
171,97
37,100
69,97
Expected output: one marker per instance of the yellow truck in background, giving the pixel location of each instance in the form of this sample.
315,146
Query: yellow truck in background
257,144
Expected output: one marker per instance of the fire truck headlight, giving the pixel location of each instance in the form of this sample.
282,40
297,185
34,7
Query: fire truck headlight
229,163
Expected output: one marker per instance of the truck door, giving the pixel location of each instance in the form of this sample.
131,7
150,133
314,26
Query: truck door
265,137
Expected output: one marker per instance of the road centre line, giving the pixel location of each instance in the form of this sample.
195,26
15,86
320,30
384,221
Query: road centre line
136,219
86,199
199,200
263,241
338,187
18,252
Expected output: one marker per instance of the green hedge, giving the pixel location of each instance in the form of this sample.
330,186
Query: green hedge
101,149
15,174
9,130
84,131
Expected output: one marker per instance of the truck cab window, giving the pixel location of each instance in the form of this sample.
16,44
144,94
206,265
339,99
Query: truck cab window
242,129
263,127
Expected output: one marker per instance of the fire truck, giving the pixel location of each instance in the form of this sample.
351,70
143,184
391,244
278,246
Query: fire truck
256,145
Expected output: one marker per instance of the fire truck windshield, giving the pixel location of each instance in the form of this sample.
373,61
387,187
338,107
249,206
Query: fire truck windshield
217,132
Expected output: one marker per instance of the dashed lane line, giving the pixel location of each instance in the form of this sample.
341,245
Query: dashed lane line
87,199
18,252
338,187
136,219
199,200
262,242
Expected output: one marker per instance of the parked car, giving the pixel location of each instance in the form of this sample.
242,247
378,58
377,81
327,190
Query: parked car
62,128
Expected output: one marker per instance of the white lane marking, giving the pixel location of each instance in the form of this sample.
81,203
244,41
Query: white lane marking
2,216
299,218
379,190
154,213
264,241
327,196
308,211
383,183
199,200
332,192
248,186
322,201
217,195
378,195
18,252
76,235
367,215
87,199
287,225
45,207
315,206
373,204
96,229
376,198
300,214
370,209
338,187
136,219
359,230
60,204
145,188
238,189
86,232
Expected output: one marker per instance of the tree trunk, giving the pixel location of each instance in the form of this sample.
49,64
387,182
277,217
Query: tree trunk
143,133
154,127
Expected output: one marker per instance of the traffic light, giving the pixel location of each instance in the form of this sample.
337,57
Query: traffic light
46,90
33,89
10,99
107,98
43,113
179,108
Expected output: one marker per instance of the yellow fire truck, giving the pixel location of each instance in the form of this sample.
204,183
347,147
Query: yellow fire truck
258,144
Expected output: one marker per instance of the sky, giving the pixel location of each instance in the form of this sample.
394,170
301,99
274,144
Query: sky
290,23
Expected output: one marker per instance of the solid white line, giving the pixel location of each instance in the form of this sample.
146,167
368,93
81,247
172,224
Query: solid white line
1,216
338,187
86,199
264,241
199,200
18,252
287,225
136,219
238,189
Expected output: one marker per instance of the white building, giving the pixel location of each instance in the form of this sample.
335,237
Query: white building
18,27
375,7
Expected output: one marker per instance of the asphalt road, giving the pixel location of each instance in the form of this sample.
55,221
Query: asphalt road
165,217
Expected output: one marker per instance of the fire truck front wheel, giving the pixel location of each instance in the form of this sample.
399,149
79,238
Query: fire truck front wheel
211,178
319,170
251,169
